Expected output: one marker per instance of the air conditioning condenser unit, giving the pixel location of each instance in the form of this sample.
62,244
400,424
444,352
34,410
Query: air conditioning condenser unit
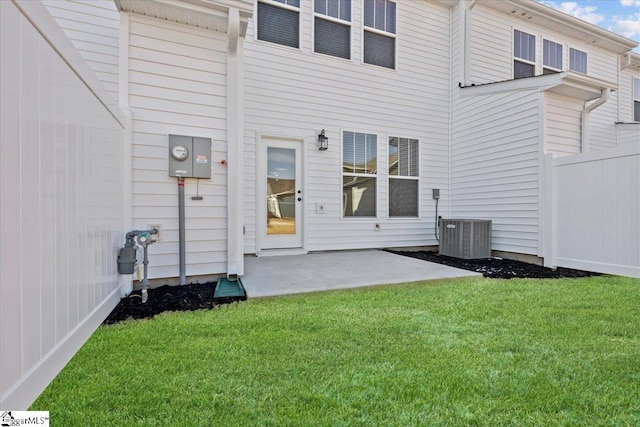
465,238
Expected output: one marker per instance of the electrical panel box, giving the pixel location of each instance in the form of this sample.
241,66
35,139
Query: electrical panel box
189,156
465,238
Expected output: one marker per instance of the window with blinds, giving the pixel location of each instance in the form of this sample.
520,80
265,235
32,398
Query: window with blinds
380,33
332,28
524,55
403,177
578,61
551,57
279,22
359,174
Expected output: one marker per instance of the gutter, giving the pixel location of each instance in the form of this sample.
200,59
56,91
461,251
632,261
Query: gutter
604,97
235,257
466,29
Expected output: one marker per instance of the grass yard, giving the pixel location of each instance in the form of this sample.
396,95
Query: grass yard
456,352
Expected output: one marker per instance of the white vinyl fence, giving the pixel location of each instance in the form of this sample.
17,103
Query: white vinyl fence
592,211
61,198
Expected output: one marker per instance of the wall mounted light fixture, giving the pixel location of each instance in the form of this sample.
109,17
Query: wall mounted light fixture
323,141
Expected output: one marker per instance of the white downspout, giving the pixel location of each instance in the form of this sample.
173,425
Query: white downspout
466,61
604,96
235,257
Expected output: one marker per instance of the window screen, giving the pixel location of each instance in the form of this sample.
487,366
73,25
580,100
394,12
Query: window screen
279,25
331,37
403,177
380,49
359,174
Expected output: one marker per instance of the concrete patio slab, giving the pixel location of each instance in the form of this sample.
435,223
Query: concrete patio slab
269,276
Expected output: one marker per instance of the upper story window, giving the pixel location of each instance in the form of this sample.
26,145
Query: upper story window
524,55
359,174
332,21
279,22
578,61
380,33
636,100
403,177
551,57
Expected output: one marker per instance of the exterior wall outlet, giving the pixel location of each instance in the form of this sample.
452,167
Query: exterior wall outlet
320,208
155,237
376,227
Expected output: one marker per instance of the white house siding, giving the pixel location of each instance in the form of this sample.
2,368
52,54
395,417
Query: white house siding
61,180
495,155
178,86
92,26
296,93
627,133
563,123
492,47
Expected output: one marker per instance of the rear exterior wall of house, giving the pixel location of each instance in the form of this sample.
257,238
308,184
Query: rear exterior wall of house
294,93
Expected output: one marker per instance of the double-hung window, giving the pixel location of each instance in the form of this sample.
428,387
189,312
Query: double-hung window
636,100
578,61
403,177
551,57
332,23
380,33
359,174
279,22
524,55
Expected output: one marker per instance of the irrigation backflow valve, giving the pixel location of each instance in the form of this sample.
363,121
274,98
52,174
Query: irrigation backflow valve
127,255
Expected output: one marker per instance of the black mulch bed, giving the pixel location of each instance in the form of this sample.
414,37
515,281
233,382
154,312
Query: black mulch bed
164,298
200,296
498,268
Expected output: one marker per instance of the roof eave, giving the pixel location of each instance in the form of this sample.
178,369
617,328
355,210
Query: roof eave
567,83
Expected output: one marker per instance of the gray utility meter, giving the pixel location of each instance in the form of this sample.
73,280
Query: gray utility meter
189,156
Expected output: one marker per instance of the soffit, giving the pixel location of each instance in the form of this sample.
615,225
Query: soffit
545,16
206,14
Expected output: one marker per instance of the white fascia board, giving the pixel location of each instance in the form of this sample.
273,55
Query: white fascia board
568,83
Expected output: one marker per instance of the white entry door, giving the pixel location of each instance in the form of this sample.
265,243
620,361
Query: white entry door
281,193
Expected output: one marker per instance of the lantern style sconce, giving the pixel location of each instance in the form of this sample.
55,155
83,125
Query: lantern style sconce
323,141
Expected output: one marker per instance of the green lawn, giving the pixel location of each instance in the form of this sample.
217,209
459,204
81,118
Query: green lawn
456,352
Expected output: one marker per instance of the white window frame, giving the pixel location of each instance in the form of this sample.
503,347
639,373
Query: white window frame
375,176
635,95
586,55
520,59
403,177
337,21
285,6
366,28
549,67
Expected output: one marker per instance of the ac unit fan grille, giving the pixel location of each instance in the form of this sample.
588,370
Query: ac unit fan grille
465,238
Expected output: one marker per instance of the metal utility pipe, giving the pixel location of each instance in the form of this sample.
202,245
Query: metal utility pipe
604,96
181,238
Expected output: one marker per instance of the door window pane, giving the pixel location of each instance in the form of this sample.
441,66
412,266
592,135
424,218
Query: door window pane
281,191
